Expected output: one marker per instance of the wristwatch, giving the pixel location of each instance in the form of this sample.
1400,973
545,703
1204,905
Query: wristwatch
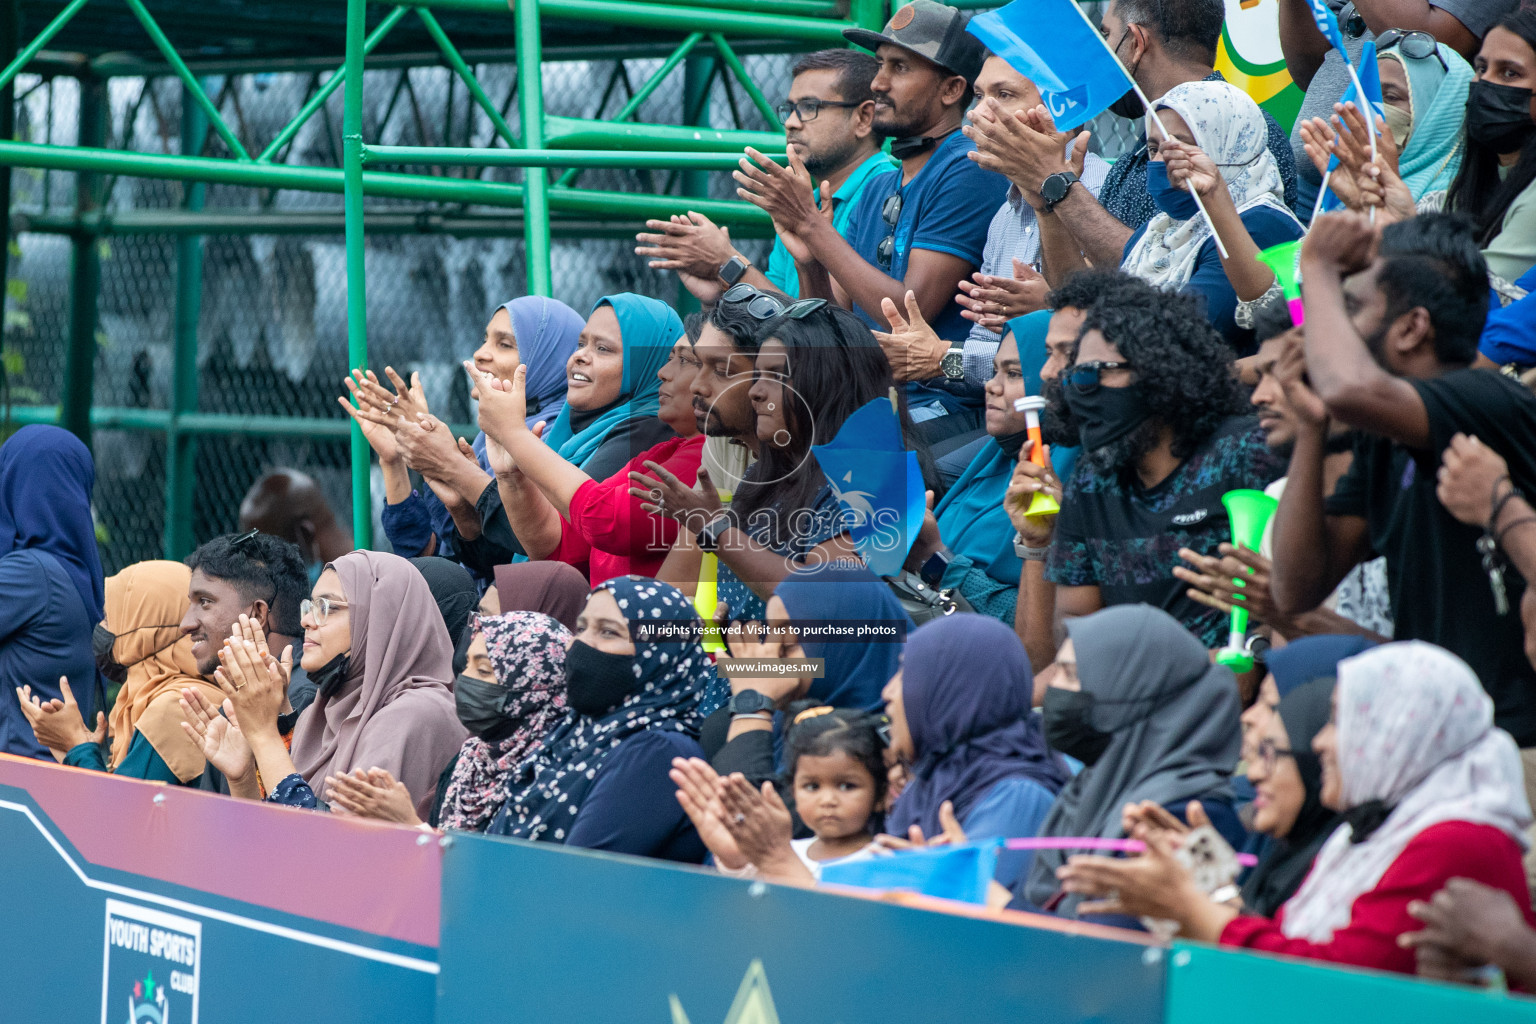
1028,553
733,270
708,537
1055,188
953,363
933,570
749,702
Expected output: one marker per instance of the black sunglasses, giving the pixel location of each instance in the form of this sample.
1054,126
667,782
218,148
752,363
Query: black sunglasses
807,108
1351,21
1084,377
1415,44
762,306
890,212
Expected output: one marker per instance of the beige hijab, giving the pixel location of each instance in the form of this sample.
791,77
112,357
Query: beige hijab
395,708
145,604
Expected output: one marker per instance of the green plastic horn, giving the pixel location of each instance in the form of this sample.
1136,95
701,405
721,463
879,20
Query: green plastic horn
1248,511
1284,259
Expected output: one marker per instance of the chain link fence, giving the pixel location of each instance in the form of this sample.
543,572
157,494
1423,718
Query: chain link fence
272,317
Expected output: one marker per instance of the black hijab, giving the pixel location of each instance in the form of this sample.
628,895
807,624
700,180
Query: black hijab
1303,711
454,590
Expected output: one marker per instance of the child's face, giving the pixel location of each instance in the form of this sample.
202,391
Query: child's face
835,795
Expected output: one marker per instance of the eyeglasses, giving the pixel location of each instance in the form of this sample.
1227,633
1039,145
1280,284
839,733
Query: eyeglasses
1270,754
890,212
1415,44
762,306
1084,378
807,108
1351,21
319,610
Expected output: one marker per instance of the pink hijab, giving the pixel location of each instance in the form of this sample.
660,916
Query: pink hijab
395,708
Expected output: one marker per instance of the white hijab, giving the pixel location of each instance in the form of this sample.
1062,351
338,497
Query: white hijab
1229,127
1415,730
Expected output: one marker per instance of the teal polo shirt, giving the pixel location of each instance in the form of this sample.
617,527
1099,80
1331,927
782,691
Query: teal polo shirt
781,265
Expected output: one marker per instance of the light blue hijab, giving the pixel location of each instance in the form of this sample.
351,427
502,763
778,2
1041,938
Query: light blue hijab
546,331
1433,154
648,329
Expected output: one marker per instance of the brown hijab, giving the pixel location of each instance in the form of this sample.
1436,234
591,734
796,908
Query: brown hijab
144,606
554,588
394,710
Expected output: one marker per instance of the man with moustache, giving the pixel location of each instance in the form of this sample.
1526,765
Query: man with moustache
829,123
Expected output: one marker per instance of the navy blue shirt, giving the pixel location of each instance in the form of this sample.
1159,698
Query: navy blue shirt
946,207
45,633
1267,226
632,806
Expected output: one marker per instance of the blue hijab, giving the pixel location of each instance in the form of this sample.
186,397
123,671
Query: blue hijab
855,672
1311,657
1439,96
546,331
649,328
46,477
966,688
971,517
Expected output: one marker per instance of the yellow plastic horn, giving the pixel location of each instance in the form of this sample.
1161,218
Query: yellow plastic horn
1041,504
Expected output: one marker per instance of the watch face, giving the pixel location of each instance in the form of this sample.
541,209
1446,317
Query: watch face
1055,188
953,364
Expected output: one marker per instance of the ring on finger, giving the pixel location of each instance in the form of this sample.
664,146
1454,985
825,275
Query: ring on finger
740,818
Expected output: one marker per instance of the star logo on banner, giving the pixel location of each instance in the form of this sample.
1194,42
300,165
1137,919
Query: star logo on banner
753,1003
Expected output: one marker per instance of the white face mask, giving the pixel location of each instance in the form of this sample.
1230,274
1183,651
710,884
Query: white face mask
1399,123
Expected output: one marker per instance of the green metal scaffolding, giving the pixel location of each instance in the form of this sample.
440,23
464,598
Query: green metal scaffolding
543,207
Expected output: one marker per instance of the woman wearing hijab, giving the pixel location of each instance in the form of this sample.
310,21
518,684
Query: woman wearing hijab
50,578
1428,791
453,591
140,645
561,509
534,332
1134,697
600,780
511,692
961,721
1216,140
553,588
1296,664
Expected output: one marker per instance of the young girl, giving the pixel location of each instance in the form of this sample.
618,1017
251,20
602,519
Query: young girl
836,778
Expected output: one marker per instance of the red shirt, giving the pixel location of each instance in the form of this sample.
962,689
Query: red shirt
608,534
1451,849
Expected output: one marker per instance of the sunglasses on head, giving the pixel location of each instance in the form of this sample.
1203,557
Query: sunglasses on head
762,306
1415,44
1351,22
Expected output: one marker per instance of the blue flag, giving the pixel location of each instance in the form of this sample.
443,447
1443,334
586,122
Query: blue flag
1051,43
877,483
1328,25
1370,80
962,872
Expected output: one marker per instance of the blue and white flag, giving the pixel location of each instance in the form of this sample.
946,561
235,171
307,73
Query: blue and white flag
1328,25
1369,74
877,483
962,872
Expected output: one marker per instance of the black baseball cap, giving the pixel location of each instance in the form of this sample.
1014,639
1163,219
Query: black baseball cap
931,30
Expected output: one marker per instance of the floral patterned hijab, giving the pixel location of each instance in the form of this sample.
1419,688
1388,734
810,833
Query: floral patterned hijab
527,651
550,786
1229,127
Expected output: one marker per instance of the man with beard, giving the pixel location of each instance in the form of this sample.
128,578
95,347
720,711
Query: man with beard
1393,321
726,349
1164,436
916,232
1359,603
828,122
1161,44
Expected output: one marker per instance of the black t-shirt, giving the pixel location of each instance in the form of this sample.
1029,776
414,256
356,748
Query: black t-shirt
1125,538
1439,591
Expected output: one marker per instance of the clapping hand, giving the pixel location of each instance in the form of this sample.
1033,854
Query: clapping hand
951,833
664,494
914,349
218,737
373,793
57,723
992,301
698,791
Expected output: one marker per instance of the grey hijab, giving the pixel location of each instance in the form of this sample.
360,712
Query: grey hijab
1174,717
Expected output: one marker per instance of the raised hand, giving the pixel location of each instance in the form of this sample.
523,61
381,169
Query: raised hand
218,738
373,793
1189,165
914,350
377,421
784,193
693,244
992,301
255,685
1339,243
57,723
663,493
698,792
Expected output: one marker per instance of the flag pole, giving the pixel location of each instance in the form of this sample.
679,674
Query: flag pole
1156,119
1365,107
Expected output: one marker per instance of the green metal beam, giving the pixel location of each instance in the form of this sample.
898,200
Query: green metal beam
357,269
580,133
331,85
187,78
31,50
739,70
870,14
205,423
530,100
180,449
456,156
85,277
671,18
468,76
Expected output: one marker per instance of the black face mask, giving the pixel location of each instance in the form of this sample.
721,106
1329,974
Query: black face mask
329,677
1499,116
102,640
1128,106
482,708
597,682
1105,415
1068,721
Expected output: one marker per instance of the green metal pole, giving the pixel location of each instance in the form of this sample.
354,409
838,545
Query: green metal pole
20,60
476,91
187,79
674,18
180,449
697,75
868,14
85,275
530,98
580,133
357,301
739,70
10,41
449,156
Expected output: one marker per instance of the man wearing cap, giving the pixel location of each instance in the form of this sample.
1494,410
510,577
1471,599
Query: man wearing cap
919,229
